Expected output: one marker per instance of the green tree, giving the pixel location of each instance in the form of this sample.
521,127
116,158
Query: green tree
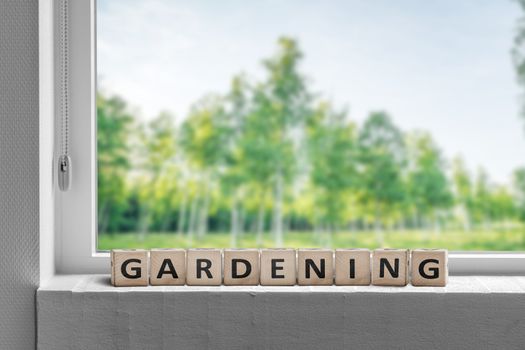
428,187
259,154
234,177
463,190
115,124
281,105
519,192
503,206
382,157
332,146
205,138
156,154
482,204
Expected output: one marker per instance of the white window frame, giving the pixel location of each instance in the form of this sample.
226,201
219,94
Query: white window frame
75,211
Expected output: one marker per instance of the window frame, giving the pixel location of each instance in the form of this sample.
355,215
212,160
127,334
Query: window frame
75,213
75,210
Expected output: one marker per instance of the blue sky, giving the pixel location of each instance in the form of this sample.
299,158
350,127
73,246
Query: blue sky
442,66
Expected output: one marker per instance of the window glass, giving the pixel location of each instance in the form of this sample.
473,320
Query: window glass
310,124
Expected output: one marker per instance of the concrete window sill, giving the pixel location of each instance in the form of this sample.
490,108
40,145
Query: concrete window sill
85,312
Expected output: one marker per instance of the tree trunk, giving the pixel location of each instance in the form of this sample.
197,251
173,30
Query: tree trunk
467,226
377,227
103,217
182,214
317,225
278,210
416,220
506,224
286,225
402,224
203,217
242,219
167,215
487,221
320,233
352,229
329,235
437,225
234,225
260,222
143,222
318,230
191,224
146,217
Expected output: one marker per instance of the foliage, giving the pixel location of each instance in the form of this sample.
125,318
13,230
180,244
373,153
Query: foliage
113,163
519,190
332,150
476,240
382,157
271,155
427,185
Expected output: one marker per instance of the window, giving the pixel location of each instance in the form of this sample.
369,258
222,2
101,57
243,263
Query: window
300,124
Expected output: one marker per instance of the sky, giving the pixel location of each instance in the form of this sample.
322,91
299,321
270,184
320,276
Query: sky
440,66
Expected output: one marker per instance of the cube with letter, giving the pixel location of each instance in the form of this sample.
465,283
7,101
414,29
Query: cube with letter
390,267
204,267
278,267
352,267
429,267
241,267
129,267
167,267
315,267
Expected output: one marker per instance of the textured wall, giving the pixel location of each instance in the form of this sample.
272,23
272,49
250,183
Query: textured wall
18,172
244,320
470,313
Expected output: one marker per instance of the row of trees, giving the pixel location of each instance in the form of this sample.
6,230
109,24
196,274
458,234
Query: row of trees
272,156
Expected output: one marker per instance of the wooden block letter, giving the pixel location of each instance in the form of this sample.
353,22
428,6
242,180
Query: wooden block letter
167,267
204,267
129,267
390,267
241,267
315,267
352,267
429,267
278,267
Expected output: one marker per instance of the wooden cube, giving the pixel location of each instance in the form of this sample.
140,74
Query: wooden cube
315,267
241,267
352,267
129,267
390,267
167,267
204,267
278,267
429,267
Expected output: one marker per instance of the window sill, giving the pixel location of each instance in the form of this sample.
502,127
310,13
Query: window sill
456,284
84,311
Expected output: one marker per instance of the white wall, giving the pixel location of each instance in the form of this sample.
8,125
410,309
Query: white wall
19,254
470,313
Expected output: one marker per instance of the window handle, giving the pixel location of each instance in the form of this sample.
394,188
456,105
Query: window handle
64,172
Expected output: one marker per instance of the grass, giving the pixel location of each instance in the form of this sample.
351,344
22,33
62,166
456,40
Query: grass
476,240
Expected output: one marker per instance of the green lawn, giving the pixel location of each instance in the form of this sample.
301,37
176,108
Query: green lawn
495,240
